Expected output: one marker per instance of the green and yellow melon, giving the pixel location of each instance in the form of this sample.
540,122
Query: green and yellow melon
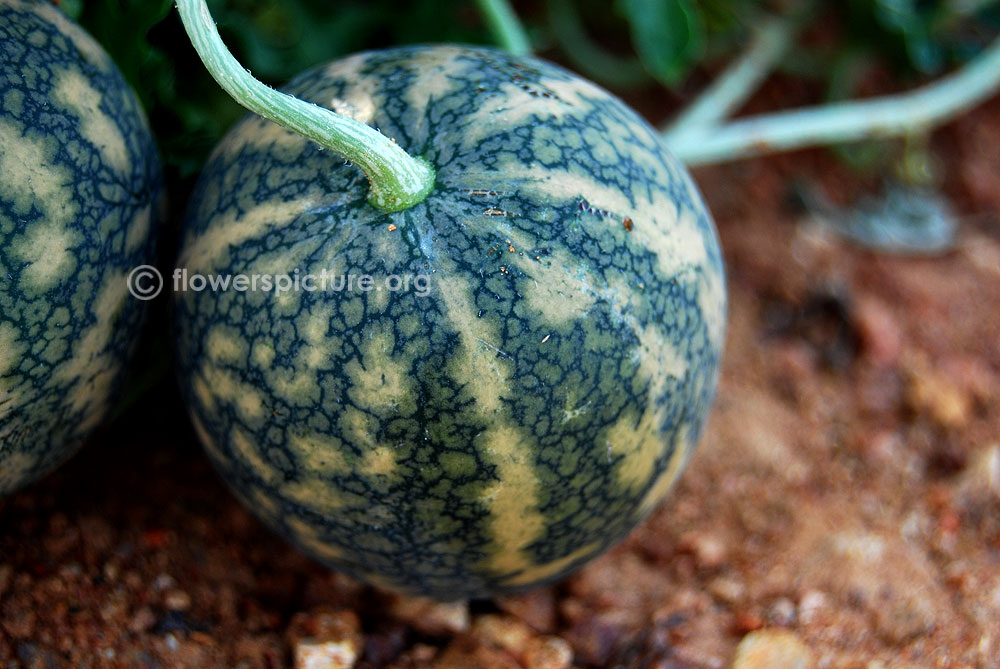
530,362
80,184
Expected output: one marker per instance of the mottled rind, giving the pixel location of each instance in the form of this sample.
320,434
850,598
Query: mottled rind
527,410
80,186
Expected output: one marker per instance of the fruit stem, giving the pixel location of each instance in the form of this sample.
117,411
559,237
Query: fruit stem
398,181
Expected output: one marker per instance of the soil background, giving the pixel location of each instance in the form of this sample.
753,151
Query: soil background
842,510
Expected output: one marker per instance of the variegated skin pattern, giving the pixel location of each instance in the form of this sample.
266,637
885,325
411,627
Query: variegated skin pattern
527,411
79,185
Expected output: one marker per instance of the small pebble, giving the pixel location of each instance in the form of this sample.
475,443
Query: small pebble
547,652
812,602
979,483
769,649
164,582
142,620
502,631
325,655
430,617
325,639
932,394
177,600
782,612
111,570
727,589
709,550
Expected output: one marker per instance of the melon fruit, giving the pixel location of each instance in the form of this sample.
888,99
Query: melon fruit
526,370
80,192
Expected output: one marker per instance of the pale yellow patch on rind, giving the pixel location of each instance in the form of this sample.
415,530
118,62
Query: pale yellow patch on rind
673,236
318,349
358,101
262,135
667,478
89,373
206,440
712,302
659,359
225,344
381,380
320,453
478,363
307,537
262,502
560,290
441,72
263,354
226,387
138,229
32,181
358,428
203,393
74,93
246,450
231,230
484,370
639,443
12,348
540,572
379,461
47,248
14,470
516,106
316,494
86,44
298,387
637,438
515,522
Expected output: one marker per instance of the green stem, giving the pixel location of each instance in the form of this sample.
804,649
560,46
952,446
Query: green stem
505,26
844,122
732,88
398,181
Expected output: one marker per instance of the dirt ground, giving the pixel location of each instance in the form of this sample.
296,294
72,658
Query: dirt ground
843,508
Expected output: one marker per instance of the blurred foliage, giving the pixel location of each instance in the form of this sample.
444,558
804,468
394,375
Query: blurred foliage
668,35
621,44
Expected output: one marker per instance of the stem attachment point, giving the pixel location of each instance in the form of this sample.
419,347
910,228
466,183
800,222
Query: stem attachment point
398,181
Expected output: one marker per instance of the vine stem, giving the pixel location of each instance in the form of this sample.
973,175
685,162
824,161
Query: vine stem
842,122
589,56
739,81
397,180
505,26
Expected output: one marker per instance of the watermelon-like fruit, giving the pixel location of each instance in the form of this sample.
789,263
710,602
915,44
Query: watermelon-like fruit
534,391
80,184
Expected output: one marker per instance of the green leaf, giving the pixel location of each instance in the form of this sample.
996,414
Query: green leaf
71,8
669,35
